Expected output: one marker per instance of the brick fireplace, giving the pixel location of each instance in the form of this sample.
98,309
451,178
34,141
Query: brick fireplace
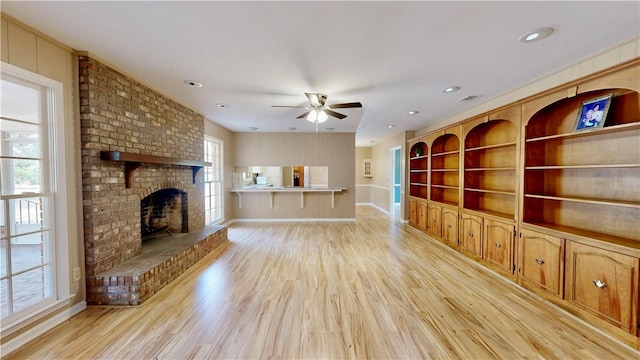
119,114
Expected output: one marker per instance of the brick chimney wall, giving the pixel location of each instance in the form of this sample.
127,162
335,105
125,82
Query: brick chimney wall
118,113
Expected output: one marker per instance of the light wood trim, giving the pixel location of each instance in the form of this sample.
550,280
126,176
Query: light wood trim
625,78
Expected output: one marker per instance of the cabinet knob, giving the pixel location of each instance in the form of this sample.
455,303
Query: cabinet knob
471,234
600,284
498,245
449,226
539,261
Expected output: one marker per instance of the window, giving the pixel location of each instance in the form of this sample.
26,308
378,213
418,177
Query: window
213,180
33,250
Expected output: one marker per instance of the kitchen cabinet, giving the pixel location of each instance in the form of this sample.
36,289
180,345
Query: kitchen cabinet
541,265
434,225
498,239
413,212
603,283
450,226
471,235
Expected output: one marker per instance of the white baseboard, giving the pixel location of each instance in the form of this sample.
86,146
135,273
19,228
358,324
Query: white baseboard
289,220
379,208
41,328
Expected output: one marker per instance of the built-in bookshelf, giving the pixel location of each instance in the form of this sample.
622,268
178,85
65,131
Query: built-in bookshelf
490,168
445,170
585,182
418,170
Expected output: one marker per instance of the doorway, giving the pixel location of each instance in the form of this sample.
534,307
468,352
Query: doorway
396,179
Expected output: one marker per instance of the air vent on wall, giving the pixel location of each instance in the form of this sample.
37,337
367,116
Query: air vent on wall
468,98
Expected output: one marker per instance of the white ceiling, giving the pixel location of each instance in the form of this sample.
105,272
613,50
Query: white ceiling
391,56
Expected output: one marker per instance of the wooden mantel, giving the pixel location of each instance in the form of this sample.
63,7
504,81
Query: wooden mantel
132,161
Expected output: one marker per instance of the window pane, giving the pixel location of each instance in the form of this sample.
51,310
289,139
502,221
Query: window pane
3,220
20,101
24,176
19,139
3,257
29,288
29,251
4,297
27,215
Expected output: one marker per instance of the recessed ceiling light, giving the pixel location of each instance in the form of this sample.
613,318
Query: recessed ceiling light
391,126
536,35
221,105
193,83
413,112
451,89
292,129
253,128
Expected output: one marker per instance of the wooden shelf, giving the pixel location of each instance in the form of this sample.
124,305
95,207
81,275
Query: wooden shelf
492,169
510,193
418,184
495,146
446,170
444,186
418,170
449,203
623,203
494,214
419,157
132,161
566,167
562,231
601,131
454,152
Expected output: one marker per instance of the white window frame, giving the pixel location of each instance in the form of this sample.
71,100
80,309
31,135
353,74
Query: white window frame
57,187
208,169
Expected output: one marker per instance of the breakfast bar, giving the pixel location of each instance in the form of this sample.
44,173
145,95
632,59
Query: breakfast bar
272,190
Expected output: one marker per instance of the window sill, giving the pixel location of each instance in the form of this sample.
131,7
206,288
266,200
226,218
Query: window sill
17,324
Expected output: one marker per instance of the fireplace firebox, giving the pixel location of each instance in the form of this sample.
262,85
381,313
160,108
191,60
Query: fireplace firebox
164,212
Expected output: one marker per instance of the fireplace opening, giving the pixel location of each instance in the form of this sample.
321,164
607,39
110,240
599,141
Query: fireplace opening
164,212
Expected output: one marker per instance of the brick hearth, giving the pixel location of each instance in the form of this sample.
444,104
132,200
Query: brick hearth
163,259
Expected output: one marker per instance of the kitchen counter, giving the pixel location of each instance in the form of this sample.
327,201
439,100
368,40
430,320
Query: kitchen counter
273,189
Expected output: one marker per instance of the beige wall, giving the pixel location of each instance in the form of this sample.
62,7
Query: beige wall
381,169
35,52
363,184
335,150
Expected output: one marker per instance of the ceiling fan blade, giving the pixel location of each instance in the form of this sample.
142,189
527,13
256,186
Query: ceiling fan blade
346,105
316,99
335,114
304,115
287,106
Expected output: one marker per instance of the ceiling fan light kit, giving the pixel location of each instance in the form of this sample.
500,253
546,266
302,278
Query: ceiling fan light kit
317,116
318,111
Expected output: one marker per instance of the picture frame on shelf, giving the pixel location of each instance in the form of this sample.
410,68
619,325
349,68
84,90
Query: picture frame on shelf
593,113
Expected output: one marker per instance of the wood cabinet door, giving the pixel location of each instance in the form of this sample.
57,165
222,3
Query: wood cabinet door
435,220
542,262
413,212
450,226
498,240
471,235
422,215
603,283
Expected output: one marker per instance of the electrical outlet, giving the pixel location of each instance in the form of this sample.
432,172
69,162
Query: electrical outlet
76,274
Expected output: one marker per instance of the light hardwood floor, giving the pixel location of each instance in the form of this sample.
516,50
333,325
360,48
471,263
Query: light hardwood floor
370,289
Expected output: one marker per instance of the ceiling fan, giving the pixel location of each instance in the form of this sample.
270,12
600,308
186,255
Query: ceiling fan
319,112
